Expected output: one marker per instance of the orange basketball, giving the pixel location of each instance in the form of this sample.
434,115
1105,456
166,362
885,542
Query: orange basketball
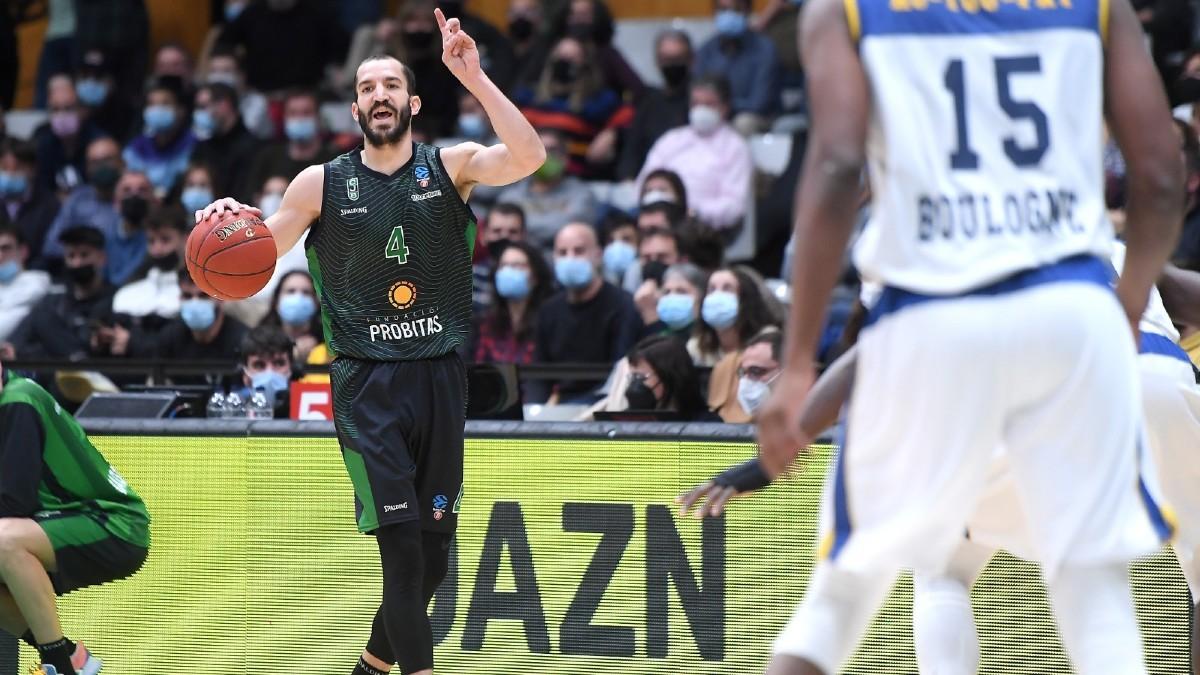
233,257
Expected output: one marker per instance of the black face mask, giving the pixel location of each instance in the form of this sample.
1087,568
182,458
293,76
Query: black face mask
419,40
495,248
81,276
639,396
563,71
581,31
104,176
654,270
134,209
675,74
520,29
167,262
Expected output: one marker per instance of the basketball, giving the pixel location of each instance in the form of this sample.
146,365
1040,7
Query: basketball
231,258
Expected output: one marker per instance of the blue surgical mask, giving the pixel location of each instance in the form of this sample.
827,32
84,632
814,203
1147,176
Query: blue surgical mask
720,309
9,271
677,310
300,128
574,273
270,382
618,256
233,10
158,118
12,184
297,309
270,204
512,283
91,91
196,198
730,22
471,125
203,124
198,313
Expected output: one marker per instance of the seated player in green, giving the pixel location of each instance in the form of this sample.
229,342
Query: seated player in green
67,520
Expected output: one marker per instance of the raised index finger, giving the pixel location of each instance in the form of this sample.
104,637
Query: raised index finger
441,19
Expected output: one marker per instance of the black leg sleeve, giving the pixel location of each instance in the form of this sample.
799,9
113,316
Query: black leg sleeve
407,625
436,546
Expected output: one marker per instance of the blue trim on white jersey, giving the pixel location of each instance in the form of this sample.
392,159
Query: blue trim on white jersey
841,502
878,18
1079,268
1153,343
1162,527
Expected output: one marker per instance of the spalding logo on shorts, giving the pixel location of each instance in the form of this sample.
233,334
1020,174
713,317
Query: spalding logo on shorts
227,231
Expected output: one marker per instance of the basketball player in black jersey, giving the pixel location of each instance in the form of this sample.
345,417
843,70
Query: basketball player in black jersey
389,247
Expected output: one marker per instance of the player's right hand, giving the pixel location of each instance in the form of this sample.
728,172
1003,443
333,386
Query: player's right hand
219,207
780,438
709,496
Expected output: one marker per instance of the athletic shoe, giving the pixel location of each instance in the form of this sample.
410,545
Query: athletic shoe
82,661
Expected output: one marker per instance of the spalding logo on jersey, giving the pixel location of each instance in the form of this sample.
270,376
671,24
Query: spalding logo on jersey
422,174
352,188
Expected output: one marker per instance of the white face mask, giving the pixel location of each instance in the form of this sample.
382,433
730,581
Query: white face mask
704,119
752,393
270,204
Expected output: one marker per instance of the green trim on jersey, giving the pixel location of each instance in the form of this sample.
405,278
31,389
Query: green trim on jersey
72,529
314,270
75,476
368,519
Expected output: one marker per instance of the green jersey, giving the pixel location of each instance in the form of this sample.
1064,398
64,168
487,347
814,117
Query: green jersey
390,257
41,444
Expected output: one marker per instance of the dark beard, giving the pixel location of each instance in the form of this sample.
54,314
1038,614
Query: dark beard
379,140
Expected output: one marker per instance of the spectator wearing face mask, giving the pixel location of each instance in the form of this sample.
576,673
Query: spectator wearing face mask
296,311
733,312
678,305
60,326
504,225
589,321
658,248
591,22
267,366
758,370
521,283
203,330
253,310
550,198
20,288
747,60
660,109
663,187
620,246
134,198
223,67
572,98
164,147
144,306
662,377
225,144
304,144
710,157
30,207
62,142
96,88
92,204
530,45
196,190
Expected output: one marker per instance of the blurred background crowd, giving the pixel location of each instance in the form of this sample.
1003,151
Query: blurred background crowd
648,257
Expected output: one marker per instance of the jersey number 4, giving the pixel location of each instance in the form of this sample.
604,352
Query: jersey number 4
395,246
963,156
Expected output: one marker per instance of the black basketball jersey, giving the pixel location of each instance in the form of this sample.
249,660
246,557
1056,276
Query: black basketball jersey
390,257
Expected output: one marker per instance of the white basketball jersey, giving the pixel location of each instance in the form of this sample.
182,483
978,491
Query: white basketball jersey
1155,319
985,138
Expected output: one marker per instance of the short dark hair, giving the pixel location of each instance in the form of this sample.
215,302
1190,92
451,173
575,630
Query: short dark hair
509,209
771,336
410,78
717,83
11,230
82,234
171,215
656,232
172,84
612,221
265,339
300,92
671,211
24,151
220,91
669,359
673,34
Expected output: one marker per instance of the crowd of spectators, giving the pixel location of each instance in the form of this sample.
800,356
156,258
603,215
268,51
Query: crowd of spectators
614,253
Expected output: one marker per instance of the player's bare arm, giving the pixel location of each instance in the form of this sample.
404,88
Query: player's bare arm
1139,119
519,152
300,207
820,412
827,206
1180,290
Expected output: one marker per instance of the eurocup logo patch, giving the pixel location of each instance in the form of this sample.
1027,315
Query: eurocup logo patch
439,506
352,188
422,175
